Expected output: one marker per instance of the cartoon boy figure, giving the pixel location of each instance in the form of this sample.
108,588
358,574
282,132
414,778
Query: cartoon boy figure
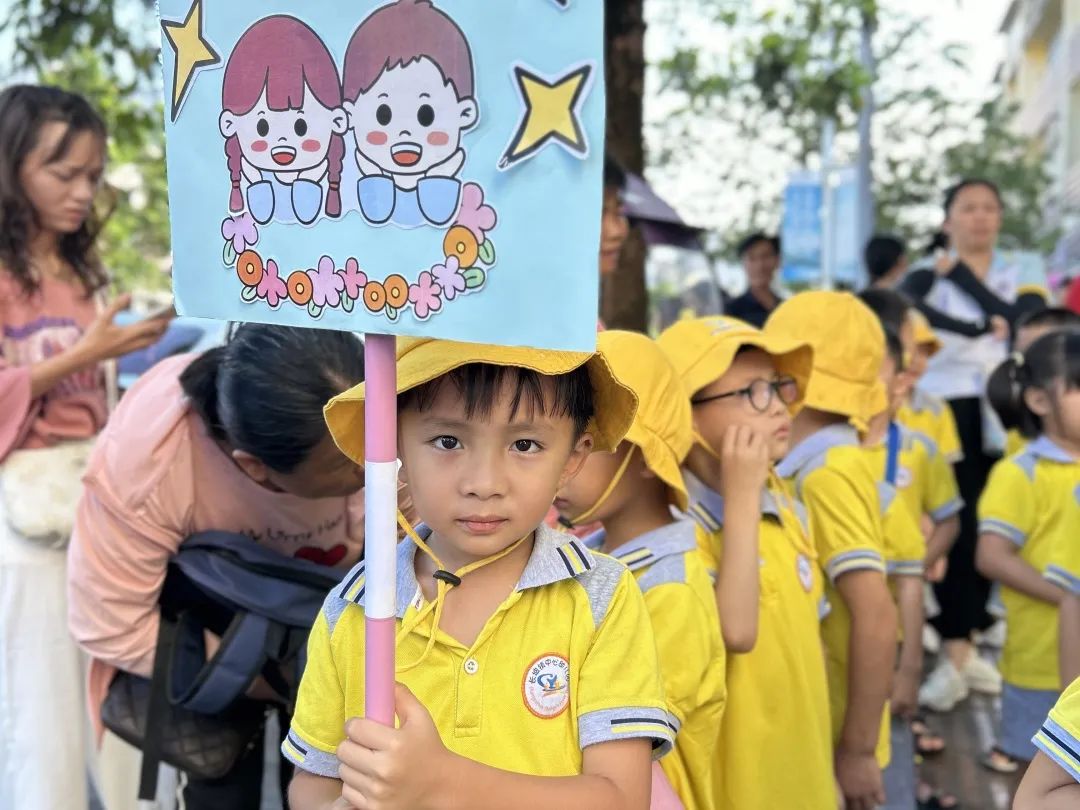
409,92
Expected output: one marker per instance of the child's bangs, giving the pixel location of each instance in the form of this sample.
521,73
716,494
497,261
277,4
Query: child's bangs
482,385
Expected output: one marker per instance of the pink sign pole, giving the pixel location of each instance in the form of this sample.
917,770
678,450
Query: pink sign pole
380,525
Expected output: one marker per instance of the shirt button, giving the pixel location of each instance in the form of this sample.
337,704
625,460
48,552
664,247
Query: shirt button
471,666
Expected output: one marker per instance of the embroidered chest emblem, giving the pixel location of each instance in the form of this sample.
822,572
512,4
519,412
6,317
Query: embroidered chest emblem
545,687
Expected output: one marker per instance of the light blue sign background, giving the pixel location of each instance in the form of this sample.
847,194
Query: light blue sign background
801,234
542,290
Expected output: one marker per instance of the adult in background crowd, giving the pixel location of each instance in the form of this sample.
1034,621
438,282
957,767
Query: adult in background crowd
760,257
55,337
886,261
970,295
230,440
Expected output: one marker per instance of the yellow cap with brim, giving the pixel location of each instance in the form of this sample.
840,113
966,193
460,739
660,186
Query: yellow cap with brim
703,349
924,333
421,360
849,348
663,426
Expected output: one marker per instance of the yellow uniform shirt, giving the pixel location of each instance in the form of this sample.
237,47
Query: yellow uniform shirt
1059,737
925,480
780,685
927,414
567,661
832,476
1015,442
679,596
905,547
1031,499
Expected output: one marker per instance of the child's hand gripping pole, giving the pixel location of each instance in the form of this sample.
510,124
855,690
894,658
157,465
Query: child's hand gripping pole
380,530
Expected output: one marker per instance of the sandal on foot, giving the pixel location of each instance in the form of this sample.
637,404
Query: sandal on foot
927,743
998,761
927,798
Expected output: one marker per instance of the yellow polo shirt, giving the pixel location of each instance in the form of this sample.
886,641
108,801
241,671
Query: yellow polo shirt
779,687
1059,737
680,599
832,476
925,480
1031,499
927,414
567,661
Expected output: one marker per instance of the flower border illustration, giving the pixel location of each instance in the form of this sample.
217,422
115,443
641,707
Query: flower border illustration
468,257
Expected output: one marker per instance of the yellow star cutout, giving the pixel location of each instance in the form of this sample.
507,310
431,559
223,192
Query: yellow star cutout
191,52
552,114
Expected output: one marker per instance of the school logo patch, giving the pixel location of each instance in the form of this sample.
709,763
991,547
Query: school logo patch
903,477
806,572
546,686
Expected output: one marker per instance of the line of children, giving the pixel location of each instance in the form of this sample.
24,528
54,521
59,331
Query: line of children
741,385
598,663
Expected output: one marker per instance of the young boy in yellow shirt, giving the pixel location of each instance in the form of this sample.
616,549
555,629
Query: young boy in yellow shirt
831,474
631,492
527,664
923,412
741,385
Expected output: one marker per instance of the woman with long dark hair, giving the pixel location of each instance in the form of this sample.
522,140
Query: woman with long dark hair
54,339
231,440
972,299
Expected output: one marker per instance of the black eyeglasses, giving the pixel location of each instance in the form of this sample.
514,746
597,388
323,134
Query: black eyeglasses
760,393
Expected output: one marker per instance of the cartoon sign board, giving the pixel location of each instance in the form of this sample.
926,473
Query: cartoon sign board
418,167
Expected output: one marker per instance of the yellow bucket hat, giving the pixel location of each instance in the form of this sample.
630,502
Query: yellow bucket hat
421,360
849,347
924,333
702,350
662,427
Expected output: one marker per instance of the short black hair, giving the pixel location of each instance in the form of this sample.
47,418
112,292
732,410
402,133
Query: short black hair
755,238
953,191
480,383
883,252
939,241
890,306
614,174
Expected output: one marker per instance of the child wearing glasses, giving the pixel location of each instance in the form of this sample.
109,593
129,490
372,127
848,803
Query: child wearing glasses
831,474
740,385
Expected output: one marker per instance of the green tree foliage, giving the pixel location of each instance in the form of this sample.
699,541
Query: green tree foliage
107,50
778,74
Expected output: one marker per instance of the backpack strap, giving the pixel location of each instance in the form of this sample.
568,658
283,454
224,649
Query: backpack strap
210,686
157,710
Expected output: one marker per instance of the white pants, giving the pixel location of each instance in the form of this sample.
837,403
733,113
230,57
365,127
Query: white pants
44,730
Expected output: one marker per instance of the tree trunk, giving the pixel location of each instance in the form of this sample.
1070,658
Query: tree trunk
624,299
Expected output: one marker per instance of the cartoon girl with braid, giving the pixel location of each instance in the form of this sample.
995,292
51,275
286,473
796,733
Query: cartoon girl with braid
283,123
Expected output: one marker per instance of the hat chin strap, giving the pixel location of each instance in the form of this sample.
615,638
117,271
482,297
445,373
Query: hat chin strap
444,580
592,510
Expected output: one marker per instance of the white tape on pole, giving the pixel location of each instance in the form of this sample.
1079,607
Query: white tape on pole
380,544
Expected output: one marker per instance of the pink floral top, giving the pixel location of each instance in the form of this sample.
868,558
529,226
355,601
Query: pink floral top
34,328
